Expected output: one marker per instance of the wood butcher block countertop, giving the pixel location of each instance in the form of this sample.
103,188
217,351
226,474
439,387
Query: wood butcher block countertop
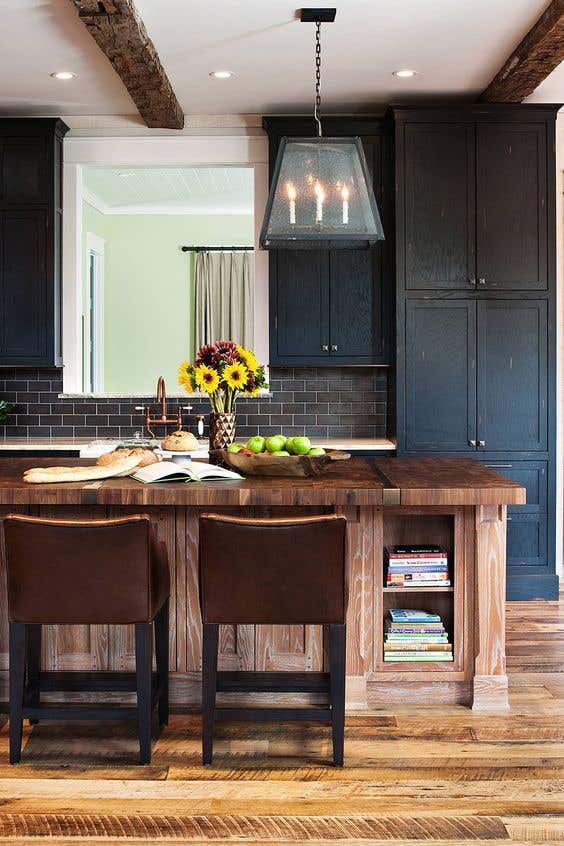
358,481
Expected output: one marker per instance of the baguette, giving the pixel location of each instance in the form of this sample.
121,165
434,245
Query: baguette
48,475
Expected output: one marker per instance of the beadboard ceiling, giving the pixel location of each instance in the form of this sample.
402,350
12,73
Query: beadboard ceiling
186,190
456,47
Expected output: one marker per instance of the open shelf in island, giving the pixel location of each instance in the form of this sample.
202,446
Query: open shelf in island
446,527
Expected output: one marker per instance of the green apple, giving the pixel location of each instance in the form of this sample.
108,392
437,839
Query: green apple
289,445
235,447
256,444
281,452
301,445
275,443
316,451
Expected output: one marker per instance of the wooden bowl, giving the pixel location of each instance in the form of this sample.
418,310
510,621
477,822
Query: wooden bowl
273,465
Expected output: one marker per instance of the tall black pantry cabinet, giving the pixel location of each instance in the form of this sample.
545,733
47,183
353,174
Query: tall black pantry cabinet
476,291
31,156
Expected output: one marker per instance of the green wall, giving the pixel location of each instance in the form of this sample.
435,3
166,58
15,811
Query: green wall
149,290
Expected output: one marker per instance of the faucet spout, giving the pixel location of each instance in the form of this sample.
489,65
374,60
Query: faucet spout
161,395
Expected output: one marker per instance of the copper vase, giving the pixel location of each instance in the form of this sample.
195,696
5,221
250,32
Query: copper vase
222,429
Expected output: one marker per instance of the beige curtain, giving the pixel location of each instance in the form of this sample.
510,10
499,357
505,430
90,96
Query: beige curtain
224,298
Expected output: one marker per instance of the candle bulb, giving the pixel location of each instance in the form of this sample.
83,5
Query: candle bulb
320,195
345,196
292,194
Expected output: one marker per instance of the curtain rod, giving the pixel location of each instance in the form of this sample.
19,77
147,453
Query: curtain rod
216,249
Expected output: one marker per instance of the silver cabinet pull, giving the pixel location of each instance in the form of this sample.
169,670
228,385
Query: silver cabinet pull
325,347
472,443
481,443
494,466
482,280
472,281
334,347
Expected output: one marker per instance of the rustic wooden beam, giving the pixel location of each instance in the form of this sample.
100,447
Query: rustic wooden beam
538,54
118,30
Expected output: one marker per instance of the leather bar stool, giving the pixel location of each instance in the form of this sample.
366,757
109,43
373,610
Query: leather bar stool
94,572
280,571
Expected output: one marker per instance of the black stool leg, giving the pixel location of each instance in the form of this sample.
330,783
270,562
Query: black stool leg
17,680
209,686
143,669
337,651
33,665
161,649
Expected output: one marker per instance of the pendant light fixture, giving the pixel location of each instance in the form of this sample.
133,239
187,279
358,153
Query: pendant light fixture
321,193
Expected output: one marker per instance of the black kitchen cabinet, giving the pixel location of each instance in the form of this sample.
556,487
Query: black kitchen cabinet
30,240
512,375
440,396
511,206
439,207
476,307
333,306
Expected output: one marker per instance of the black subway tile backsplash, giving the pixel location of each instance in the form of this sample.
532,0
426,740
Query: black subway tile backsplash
322,402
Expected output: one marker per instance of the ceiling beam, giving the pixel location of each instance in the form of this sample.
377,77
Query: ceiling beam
538,54
118,30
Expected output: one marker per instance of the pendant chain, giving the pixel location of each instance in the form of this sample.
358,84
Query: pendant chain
317,77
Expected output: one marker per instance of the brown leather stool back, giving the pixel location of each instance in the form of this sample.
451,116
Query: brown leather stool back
273,571
98,571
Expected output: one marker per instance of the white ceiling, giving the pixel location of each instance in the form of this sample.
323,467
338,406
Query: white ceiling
187,190
456,46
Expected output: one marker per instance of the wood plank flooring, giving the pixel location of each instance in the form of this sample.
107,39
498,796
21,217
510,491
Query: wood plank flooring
447,776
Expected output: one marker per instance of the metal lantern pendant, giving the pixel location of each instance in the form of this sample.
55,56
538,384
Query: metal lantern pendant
321,193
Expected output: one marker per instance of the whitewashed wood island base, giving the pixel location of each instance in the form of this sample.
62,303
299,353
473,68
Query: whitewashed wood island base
456,502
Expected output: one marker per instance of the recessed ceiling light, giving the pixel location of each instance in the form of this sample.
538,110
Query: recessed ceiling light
222,74
63,75
405,73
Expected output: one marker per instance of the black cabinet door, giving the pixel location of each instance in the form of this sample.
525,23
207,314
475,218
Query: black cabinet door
26,319
512,375
440,404
439,213
355,294
511,206
301,318
23,169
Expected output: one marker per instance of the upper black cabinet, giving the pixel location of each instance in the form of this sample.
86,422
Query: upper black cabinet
472,202
333,306
30,240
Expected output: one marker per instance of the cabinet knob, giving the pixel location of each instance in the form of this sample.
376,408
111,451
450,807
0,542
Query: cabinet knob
472,281
482,280
481,443
325,347
472,443
334,347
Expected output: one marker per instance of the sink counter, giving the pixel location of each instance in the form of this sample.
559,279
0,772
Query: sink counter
457,503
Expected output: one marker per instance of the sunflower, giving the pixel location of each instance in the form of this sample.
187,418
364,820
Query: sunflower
185,376
248,358
236,375
207,379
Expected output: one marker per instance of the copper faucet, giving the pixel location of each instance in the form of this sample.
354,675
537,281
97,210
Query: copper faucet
164,420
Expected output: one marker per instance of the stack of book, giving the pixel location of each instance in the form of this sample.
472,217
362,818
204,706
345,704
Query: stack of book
422,565
413,635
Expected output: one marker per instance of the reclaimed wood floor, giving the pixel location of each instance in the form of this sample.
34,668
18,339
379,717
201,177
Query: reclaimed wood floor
442,775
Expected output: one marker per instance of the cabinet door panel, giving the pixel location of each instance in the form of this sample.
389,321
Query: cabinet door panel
527,540
23,287
24,170
440,375
511,203
512,374
439,206
533,476
356,305
302,303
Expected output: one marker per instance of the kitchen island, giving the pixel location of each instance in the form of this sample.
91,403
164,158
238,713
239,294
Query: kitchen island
457,503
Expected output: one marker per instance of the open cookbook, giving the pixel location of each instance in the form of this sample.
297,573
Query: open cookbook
190,471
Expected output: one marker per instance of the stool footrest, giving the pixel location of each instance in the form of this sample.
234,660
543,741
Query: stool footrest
239,681
94,681
322,714
80,712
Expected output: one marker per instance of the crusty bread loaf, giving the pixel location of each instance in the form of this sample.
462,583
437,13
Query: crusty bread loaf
180,441
47,475
145,456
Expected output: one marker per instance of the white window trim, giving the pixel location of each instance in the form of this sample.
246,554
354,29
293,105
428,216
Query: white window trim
153,151
97,246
